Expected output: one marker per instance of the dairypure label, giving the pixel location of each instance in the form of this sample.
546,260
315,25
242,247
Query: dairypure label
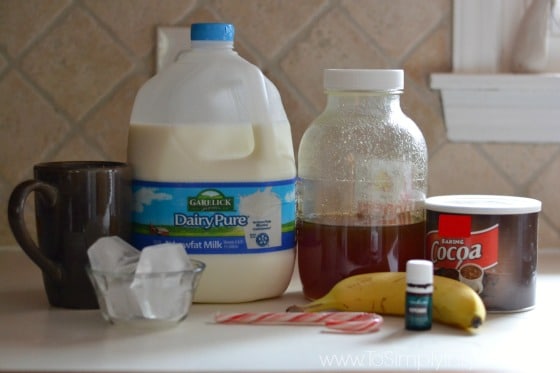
215,218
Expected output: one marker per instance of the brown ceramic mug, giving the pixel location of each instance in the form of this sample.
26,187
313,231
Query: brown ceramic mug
75,204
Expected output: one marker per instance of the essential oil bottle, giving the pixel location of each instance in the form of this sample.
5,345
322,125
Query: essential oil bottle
419,288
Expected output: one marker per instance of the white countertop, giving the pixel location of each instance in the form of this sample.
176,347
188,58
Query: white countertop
35,337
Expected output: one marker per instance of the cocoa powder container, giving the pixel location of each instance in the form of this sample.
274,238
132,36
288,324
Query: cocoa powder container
488,242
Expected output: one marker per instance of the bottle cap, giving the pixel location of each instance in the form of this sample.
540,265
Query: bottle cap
419,272
212,32
363,79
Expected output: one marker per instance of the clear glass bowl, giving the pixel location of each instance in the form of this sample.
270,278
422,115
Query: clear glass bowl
148,299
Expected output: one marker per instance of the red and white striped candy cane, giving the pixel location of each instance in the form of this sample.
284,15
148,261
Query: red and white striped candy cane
308,318
356,327
349,322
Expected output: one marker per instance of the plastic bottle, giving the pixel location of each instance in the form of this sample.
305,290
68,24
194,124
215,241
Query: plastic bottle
419,289
212,154
362,180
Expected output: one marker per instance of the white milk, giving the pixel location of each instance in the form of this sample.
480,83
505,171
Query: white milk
204,152
214,155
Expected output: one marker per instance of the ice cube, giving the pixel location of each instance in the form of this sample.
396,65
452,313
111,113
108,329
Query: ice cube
113,254
167,257
163,297
121,301
161,285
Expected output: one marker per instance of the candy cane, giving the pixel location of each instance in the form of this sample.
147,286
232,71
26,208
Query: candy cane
309,318
356,327
348,322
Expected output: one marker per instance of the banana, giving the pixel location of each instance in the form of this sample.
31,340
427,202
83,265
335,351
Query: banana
453,302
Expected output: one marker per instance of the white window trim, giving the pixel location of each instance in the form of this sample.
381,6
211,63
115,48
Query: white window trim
481,102
476,45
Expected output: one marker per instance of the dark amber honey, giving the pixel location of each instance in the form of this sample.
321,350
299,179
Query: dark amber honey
328,253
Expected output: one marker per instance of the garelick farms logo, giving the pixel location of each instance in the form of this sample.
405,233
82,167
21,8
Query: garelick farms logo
214,202
210,200
209,209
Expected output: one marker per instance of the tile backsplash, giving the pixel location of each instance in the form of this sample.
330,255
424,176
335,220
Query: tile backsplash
70,69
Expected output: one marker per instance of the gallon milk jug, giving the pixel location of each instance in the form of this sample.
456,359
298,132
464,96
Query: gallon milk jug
214,169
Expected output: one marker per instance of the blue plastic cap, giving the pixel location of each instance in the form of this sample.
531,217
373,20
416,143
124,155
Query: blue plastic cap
212,31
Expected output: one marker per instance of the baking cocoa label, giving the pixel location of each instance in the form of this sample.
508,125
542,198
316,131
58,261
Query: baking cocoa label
479,247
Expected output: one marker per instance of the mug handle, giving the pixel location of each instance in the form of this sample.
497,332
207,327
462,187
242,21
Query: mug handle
16,219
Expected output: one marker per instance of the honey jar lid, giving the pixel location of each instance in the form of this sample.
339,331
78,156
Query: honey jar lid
363,79
477,204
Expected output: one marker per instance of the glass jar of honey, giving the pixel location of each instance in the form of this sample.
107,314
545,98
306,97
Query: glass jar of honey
362,180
